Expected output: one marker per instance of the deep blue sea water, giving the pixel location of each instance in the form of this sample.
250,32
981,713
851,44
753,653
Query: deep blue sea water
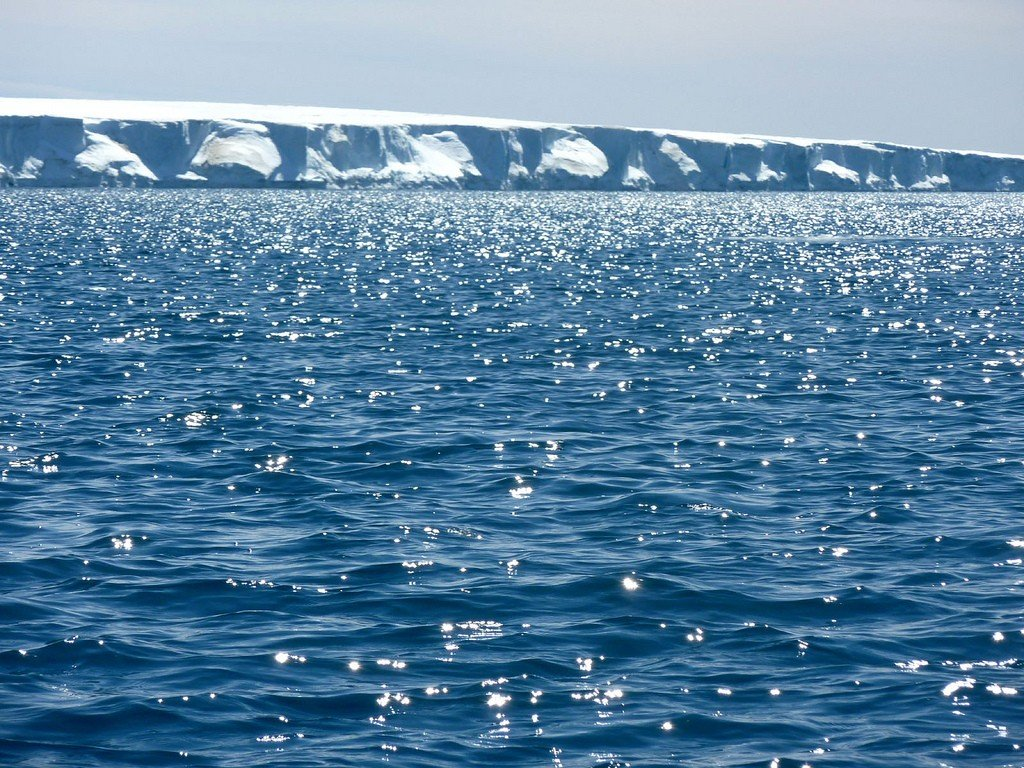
538,479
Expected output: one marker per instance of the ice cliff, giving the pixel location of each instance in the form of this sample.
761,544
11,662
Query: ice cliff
59,143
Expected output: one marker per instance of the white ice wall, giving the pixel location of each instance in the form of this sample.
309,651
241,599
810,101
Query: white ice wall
80,143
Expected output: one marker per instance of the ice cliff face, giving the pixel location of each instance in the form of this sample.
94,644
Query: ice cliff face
46,142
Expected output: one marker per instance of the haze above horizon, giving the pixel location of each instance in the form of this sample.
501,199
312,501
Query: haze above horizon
937,73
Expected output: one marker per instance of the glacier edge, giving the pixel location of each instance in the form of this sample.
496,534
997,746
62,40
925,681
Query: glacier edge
68,143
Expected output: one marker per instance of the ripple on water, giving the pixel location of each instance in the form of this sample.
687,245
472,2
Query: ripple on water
543,479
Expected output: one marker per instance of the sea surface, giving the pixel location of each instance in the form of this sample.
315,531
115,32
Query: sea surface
511,479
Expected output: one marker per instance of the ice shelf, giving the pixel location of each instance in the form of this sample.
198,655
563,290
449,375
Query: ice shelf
71,143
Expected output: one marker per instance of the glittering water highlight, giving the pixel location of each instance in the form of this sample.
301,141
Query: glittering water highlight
334,479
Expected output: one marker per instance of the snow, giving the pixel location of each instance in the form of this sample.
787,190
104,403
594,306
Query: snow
65,142
443,155
673,151
235,147
176,111
833,168
569,157
103,156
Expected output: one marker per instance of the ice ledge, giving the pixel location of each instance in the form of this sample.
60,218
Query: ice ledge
58,143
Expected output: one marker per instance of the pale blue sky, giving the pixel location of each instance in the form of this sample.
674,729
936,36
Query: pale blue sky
946,73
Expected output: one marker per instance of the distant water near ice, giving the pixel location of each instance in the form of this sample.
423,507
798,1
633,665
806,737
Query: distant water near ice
421,479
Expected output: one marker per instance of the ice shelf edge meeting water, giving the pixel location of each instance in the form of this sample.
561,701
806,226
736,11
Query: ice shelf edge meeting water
76,143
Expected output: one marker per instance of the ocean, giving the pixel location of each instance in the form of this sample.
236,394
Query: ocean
524,479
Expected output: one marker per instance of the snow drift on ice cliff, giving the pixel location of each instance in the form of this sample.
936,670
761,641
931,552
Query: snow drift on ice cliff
63,143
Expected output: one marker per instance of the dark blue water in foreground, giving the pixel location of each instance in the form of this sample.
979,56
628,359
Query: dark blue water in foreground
511,479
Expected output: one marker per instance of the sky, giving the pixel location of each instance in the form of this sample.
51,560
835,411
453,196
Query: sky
940,73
